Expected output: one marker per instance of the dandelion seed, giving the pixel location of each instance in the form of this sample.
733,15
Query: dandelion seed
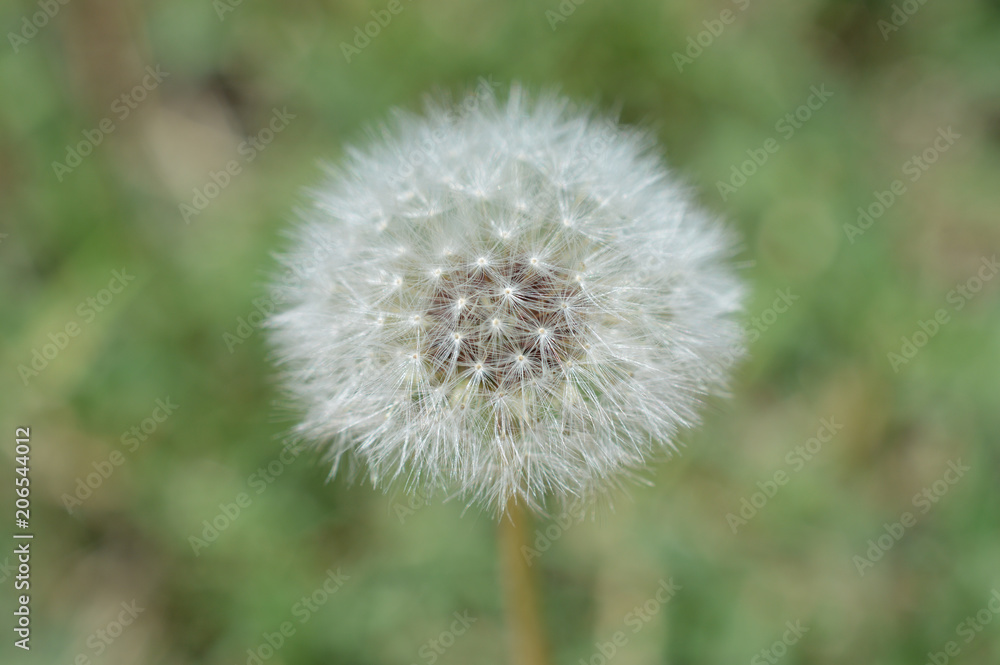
521,378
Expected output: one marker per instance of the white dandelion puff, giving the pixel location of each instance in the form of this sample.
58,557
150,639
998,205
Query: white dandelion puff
514,301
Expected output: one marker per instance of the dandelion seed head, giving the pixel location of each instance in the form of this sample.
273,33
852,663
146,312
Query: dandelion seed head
562,305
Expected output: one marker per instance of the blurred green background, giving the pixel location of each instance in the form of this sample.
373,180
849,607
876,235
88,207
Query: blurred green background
407,568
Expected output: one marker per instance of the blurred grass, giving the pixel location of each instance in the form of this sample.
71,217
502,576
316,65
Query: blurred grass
827,356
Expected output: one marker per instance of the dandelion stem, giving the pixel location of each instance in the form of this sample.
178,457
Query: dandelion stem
526,632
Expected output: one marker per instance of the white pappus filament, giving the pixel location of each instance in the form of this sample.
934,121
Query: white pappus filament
512,301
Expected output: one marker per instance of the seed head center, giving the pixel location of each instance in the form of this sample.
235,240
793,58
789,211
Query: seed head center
525,333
